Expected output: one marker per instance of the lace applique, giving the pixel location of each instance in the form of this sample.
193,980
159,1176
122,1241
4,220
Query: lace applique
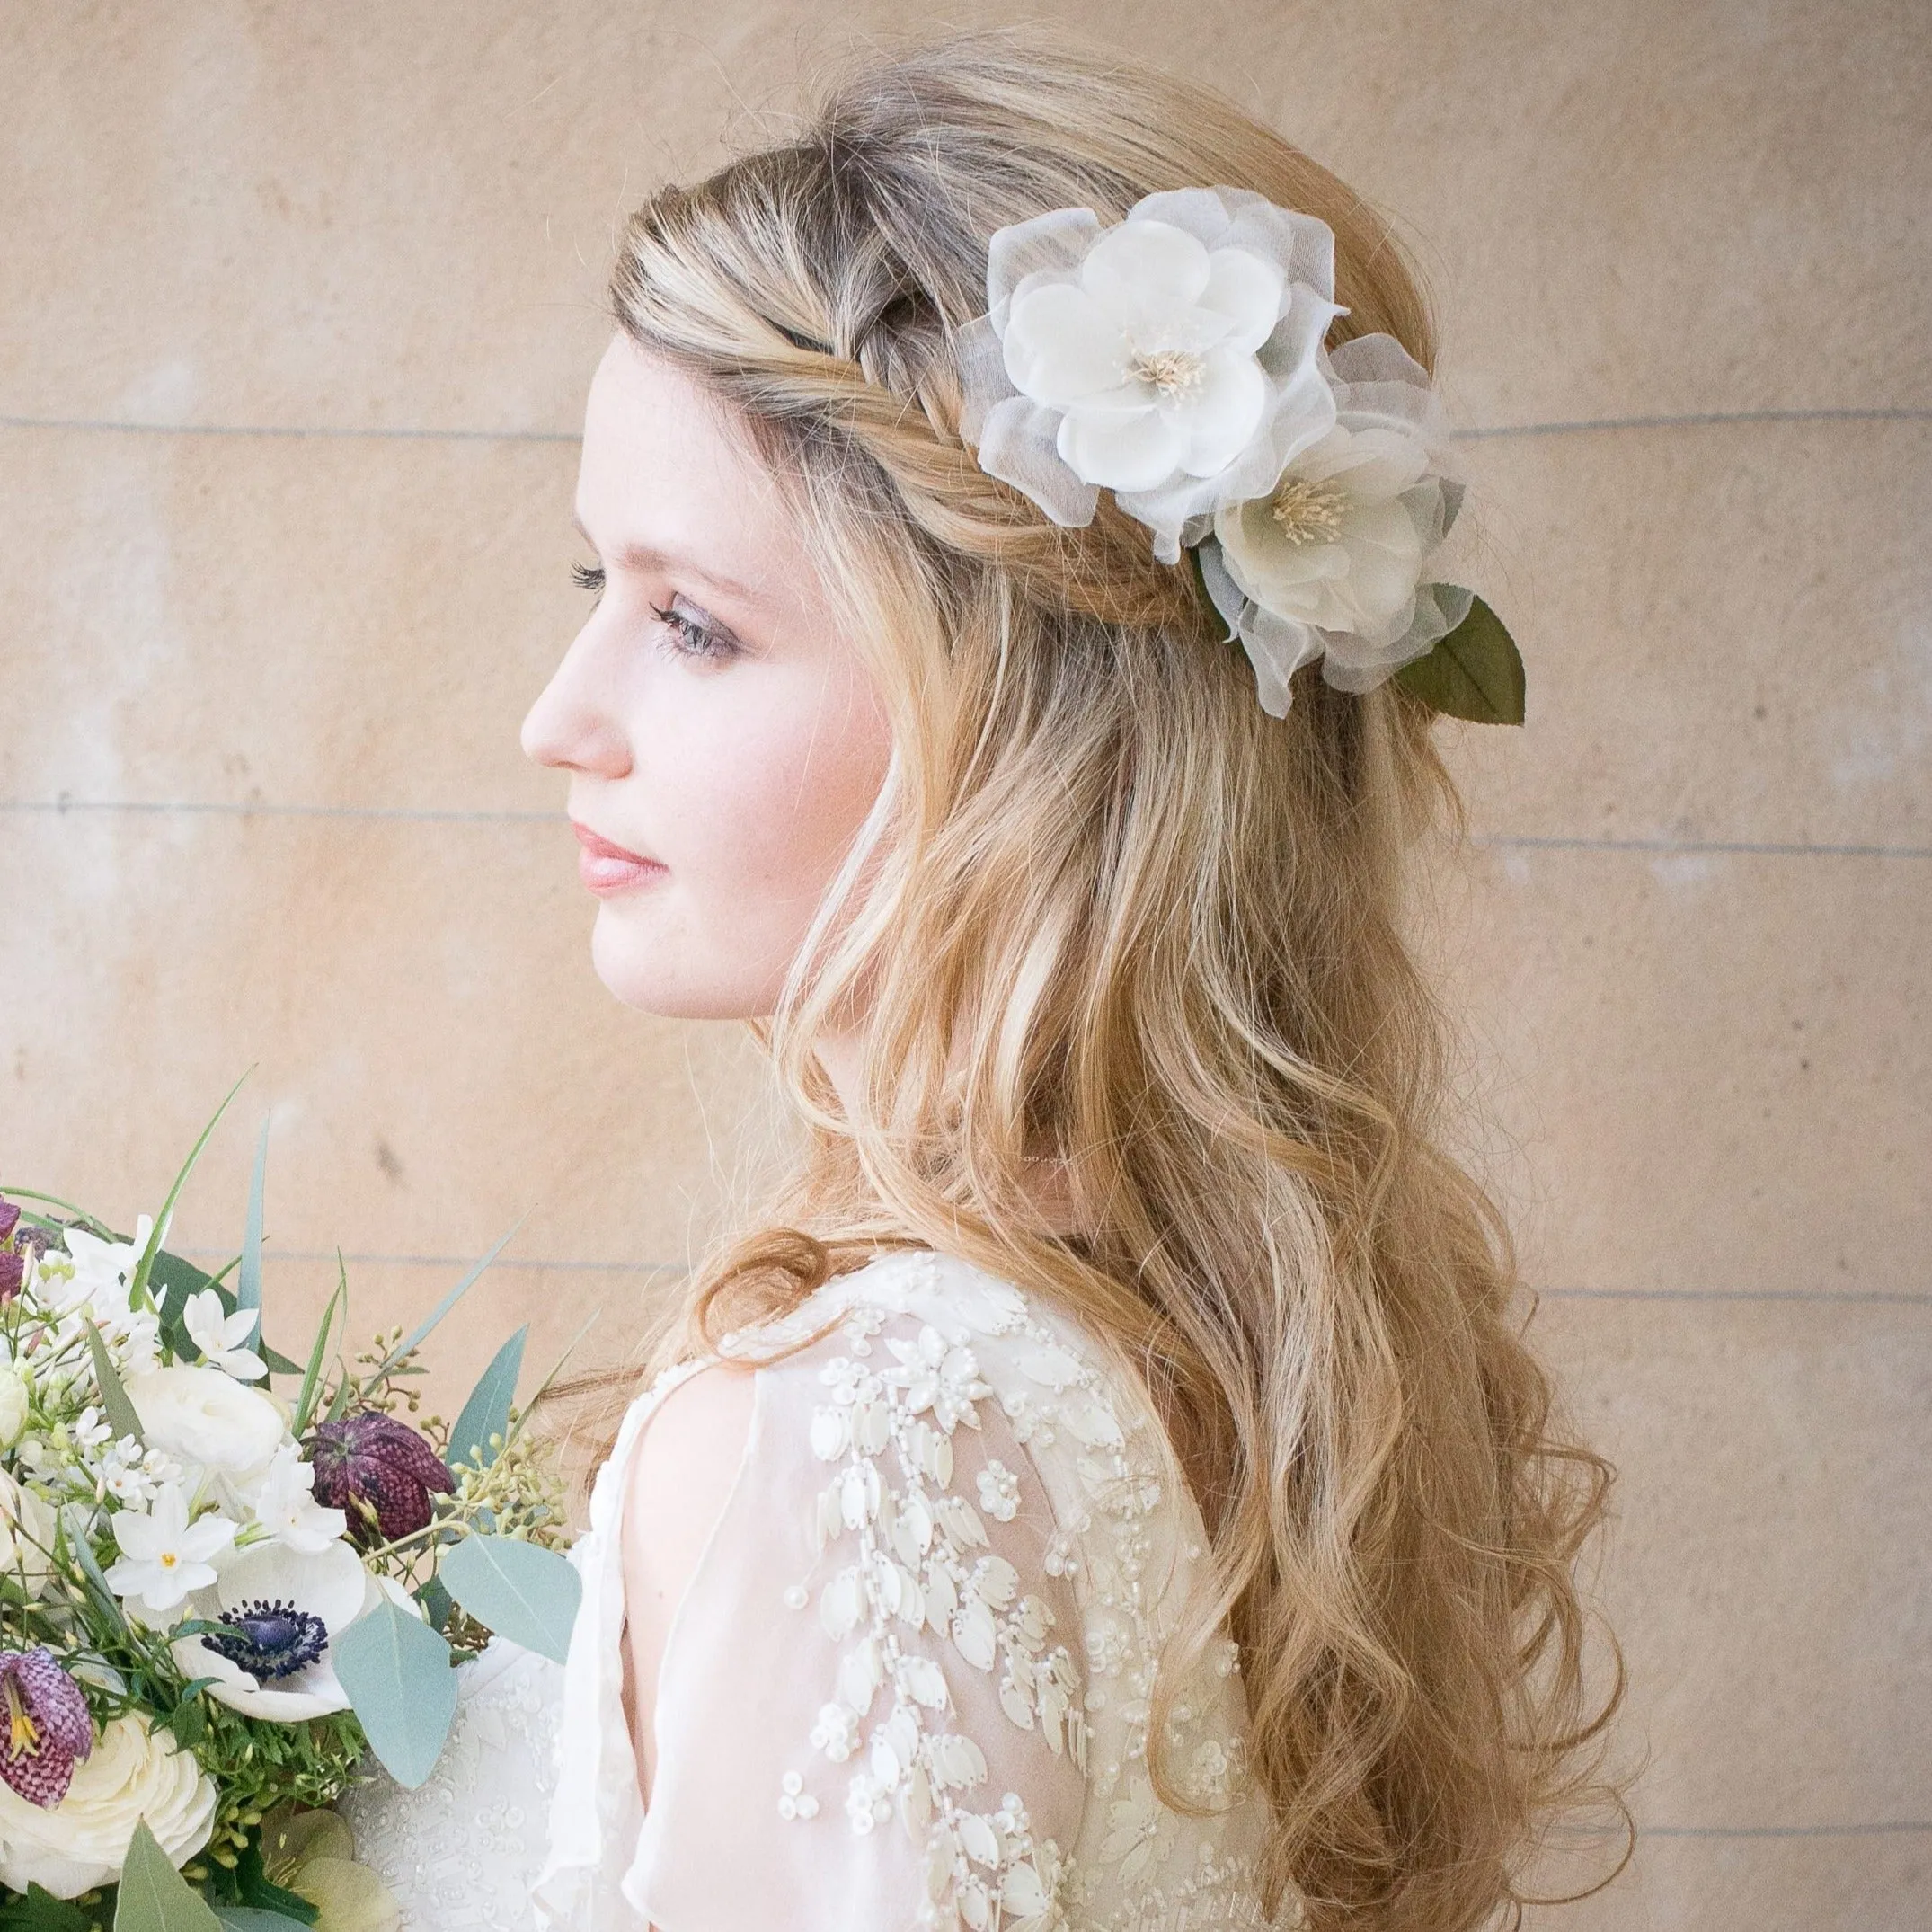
922,1562
463,1848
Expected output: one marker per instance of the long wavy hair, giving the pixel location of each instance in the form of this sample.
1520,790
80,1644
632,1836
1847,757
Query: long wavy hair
1124,955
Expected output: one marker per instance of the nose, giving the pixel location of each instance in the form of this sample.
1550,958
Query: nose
573,724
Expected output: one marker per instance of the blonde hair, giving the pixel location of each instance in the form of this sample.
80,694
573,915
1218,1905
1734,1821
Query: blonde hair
1139,1028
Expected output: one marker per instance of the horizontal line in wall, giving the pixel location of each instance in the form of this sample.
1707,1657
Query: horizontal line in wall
258,809
1698,420
1882,1297
1739,847
293,431
1580,426
1890,1827
446,1261
483,815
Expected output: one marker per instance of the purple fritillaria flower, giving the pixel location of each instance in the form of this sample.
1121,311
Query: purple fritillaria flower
13,1266
376,1460
47,1726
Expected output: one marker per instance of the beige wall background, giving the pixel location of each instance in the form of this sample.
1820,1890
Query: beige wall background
297,306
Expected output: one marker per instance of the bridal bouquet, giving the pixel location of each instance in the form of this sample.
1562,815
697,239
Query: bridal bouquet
227,1573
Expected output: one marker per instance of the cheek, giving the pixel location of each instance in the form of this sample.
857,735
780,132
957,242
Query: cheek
757,782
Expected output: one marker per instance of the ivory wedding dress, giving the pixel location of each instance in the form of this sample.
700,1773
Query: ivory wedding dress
909,1685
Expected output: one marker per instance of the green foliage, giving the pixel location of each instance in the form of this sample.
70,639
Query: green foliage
479,1432
1475,672
397,1671
522,1591
154,1897
36,1910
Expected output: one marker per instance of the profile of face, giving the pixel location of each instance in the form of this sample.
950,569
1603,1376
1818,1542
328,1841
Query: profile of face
724,741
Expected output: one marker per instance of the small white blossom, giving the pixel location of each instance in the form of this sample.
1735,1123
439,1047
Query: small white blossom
223,1339
163,1555
286,1506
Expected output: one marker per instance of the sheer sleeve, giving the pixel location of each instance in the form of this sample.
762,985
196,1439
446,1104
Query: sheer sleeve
869,1714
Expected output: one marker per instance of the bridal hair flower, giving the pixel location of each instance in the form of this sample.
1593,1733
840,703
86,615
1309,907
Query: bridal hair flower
1177,359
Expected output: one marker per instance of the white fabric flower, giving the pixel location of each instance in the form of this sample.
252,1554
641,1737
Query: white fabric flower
133,1773
1328,563
204,1416
223,1339
330,1584
163,1555
1171,358
285,1504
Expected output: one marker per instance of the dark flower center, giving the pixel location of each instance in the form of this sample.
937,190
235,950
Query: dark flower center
270,1640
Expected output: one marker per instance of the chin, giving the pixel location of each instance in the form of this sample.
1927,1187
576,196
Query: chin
673,981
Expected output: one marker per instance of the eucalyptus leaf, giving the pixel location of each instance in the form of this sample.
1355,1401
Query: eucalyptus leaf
486,1414
260,1919
116,1404
1475,672
248,1282
518,1589
153,1896
397,1670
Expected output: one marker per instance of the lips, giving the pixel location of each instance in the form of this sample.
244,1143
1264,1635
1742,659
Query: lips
605,867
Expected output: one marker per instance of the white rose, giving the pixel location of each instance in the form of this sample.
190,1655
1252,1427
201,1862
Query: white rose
133,1773
13,1408
201,1415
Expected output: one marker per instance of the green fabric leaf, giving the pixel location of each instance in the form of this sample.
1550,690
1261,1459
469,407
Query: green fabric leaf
115,1402
1475,672
521,1590
154,1897
486,1414
397,1673
36,1910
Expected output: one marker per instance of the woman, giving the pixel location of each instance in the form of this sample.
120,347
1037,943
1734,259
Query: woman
1111,1491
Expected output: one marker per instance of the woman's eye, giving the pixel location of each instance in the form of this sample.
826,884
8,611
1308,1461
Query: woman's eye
589,577
694,635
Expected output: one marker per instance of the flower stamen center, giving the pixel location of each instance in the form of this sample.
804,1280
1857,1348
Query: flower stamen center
1170,373
23,1735
1309,512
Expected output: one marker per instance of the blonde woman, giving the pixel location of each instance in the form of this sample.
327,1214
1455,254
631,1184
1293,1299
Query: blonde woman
1110,1490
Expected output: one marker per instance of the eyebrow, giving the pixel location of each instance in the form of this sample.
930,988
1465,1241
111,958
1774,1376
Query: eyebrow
645,557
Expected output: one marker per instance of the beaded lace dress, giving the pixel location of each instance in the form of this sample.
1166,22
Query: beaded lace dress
909,1684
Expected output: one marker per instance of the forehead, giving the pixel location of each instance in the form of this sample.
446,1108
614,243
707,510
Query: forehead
665,468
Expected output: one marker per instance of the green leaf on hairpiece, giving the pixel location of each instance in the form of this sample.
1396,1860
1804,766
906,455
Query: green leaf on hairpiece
1475,672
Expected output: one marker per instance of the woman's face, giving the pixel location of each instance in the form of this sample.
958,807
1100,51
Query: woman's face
722,741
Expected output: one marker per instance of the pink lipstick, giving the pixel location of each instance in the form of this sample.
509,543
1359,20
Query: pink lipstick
606,868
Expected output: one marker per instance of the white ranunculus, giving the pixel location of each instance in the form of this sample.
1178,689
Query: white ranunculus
1171,358
200,1415
133,1773
1329,563
330,1584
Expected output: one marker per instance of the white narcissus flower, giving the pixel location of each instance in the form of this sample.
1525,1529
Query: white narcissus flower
284,1609
223,1339
102,1270
285,1504
1328,563
201,1415
133,1773
1170,357
163,1555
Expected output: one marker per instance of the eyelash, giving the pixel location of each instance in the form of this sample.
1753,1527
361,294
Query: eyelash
694,639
